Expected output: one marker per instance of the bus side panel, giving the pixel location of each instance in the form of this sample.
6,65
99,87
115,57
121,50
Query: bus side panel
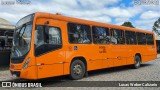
108,60
130,54
143,52
87,51
119,54
150,53
66,68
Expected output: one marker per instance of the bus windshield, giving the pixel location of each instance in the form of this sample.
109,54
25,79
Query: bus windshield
21,41
22,38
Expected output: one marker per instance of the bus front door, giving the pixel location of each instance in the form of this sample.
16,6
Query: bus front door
49,52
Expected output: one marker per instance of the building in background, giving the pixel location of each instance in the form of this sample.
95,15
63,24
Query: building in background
6,36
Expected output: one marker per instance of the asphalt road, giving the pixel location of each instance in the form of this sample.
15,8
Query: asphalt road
149,71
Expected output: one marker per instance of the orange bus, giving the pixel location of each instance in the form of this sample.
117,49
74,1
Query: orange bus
48,45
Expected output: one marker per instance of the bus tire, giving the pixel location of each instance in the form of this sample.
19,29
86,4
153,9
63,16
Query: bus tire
137,62
77,70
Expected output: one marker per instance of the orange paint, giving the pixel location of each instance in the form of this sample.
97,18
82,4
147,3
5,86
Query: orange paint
97,56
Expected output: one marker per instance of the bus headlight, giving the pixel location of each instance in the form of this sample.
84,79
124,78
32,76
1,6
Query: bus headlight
26,63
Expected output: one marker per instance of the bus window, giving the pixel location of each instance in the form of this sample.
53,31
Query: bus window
47,39
149,38
39,36
130,37
79,33
100,35
117,36
141,38
21,41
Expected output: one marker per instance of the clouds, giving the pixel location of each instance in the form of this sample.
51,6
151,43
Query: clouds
13,13
145,24
107,11
150,15
120,21
104,19
85,9
147,20
118,12
96,4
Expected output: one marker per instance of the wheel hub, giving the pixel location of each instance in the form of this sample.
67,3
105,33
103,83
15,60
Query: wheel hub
77,69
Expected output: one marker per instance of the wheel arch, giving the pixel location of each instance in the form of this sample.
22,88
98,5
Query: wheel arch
80,58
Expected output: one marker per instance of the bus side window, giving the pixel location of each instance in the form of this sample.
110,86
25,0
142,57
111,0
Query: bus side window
150,40
100,35
133,38
117,36
127,35
130,37
141,38
79,33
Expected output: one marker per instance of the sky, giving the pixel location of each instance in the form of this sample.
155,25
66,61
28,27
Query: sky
114,12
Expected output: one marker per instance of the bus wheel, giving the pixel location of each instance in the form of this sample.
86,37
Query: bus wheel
137,62
77,70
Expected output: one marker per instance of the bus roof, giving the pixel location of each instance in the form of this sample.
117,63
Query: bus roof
87,22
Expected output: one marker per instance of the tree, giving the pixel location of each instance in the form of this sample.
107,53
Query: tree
128,24
156,27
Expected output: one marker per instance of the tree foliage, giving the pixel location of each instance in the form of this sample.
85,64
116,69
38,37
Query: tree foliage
128,24
156,27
